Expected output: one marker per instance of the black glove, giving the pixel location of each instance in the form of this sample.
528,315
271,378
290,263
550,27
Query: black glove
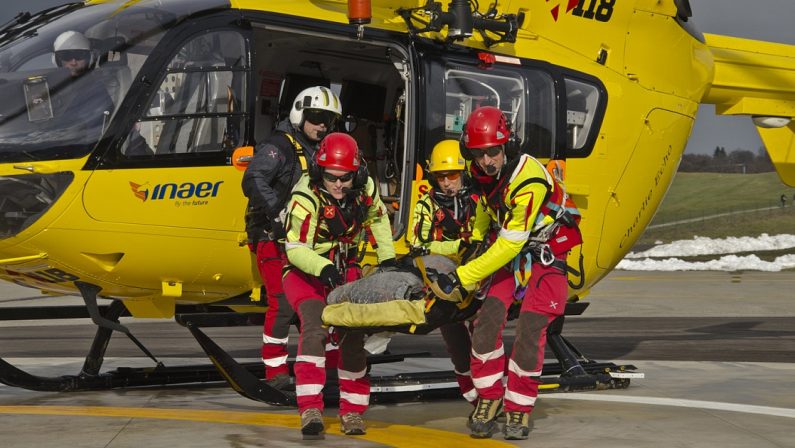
467,250
463,248
277,230
330,276
390,264
448,287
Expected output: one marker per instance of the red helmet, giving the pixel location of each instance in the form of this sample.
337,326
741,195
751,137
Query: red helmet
338,151
486,127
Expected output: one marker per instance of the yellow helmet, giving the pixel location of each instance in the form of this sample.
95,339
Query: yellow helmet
446,156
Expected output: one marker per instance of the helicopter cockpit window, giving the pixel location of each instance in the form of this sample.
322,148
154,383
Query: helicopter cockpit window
527,99
200,104
581,102
52,110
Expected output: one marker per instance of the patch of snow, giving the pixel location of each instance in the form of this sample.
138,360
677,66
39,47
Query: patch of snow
640,261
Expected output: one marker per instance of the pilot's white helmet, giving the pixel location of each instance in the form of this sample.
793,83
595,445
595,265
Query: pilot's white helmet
316,98
71,41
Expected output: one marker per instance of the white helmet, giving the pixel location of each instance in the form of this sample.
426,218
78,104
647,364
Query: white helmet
71,41
318,98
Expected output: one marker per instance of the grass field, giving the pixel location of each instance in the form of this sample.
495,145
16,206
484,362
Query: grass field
701,196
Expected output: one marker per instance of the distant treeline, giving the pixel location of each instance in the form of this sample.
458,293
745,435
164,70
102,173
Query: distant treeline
737,161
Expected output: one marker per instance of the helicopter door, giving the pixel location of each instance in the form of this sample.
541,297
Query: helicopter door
172,168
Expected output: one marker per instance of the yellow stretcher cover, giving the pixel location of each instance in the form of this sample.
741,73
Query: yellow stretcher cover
395,312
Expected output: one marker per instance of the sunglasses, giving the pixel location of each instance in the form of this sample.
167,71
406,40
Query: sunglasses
68,55
493,151
347,177
449,175
318,117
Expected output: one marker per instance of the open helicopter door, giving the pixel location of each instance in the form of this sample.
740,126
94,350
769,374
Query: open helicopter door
554,114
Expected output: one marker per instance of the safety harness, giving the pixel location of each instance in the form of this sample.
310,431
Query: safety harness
555,230
341,223
450,221
299,151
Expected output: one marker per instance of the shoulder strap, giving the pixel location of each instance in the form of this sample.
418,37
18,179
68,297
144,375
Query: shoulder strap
299,150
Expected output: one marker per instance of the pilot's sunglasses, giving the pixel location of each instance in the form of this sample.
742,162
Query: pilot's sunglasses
317,117
449,175
68,55
344,178
493,151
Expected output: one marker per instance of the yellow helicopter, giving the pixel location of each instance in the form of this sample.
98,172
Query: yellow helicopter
146,208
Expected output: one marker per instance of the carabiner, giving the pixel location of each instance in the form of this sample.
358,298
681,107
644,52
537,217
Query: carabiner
546,256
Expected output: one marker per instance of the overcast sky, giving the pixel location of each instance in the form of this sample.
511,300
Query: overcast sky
770,20
754,19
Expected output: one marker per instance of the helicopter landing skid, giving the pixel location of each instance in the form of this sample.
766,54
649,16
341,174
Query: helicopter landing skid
572,371
243,376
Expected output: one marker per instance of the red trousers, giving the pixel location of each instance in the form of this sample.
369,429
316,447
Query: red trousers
271,258
544,300
457,340
307,296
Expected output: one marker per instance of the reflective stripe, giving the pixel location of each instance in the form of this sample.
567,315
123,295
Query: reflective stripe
515,235
331,347
471,395
490,355
318,361
308,389
522,160
513,367
487,381
271,340
275,362
293,245
346,375
325,96
360,399
521,400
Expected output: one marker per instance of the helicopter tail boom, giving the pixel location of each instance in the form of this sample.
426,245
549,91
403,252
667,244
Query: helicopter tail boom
758,79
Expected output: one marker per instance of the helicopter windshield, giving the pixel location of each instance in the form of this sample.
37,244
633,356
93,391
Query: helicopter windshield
52,110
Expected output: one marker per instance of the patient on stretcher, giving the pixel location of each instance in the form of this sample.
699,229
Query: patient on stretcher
397,300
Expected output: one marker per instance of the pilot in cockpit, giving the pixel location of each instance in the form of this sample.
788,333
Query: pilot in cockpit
85,99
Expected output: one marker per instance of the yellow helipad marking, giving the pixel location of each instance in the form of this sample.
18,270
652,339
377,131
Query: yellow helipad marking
378,432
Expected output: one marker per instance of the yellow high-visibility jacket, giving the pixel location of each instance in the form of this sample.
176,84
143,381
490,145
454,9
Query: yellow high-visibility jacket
306,244
513,207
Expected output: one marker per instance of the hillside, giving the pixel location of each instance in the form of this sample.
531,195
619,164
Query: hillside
721,205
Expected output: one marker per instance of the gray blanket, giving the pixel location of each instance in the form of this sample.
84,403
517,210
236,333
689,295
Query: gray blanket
390,285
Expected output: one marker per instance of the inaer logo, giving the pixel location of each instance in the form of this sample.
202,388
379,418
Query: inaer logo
185,190
140,194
